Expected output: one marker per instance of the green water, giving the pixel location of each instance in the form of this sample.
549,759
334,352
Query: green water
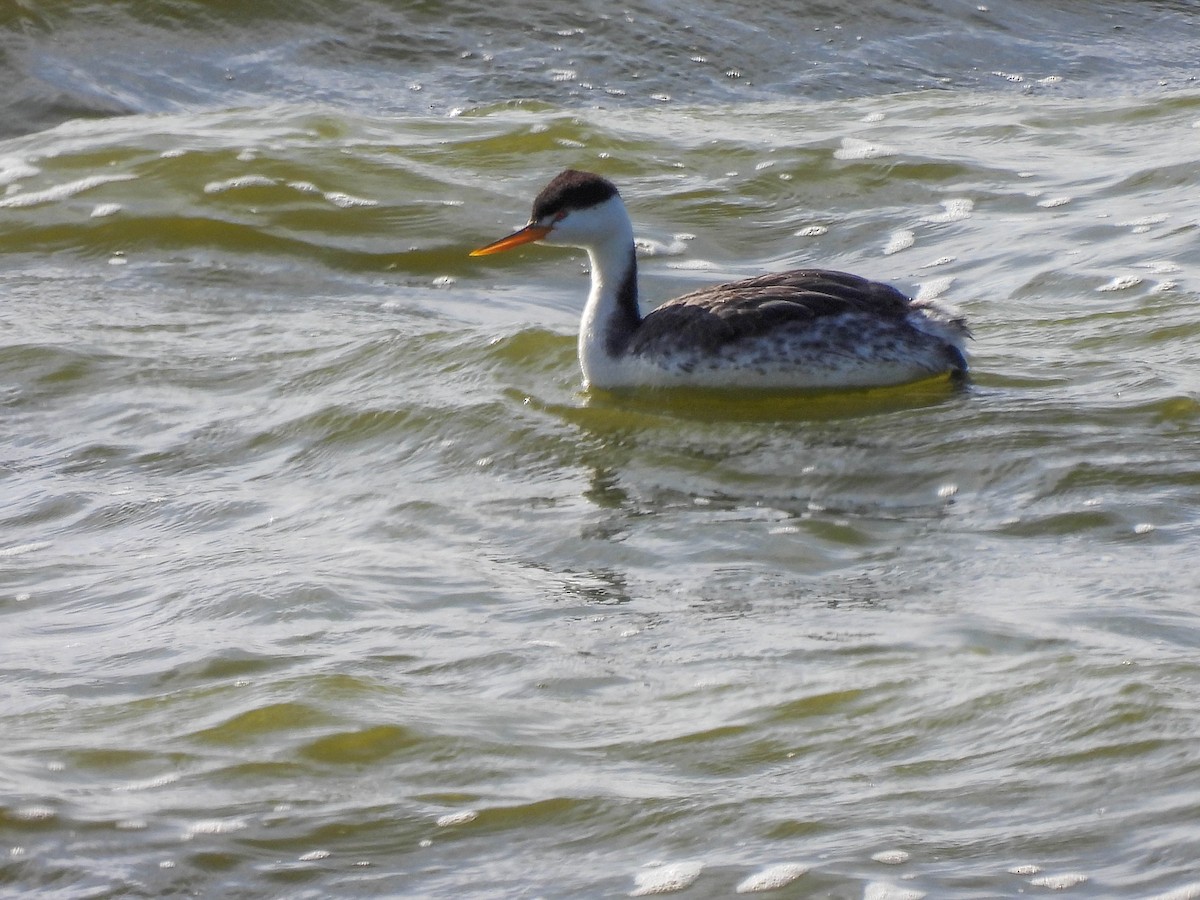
320,574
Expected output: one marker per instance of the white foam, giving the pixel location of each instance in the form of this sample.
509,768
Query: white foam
1162,267
666,879
812,231
1144,222
881,890
891,857
933,288
1059,882
772,878
239,183
345,201
1121,283
954,210
61,191
22,549
213,826
1052,202
900,240
853,148
149,784
12,170
698,265
34,813
676,247
457,818
103,210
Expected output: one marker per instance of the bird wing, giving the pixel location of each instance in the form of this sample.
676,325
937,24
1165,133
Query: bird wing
712,317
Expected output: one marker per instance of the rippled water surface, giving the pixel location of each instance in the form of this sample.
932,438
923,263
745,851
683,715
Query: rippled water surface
321,575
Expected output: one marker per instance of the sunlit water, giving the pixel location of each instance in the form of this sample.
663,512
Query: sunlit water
320,574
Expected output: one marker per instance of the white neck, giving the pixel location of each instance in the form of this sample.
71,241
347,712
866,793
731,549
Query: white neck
611,313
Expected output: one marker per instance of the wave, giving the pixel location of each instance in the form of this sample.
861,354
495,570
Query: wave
60,60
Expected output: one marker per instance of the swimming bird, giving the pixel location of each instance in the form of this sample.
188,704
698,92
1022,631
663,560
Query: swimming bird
801,329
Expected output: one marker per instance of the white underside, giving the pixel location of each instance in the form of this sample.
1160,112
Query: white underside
849,351
631,372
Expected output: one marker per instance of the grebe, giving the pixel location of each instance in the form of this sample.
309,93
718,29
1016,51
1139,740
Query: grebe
803,329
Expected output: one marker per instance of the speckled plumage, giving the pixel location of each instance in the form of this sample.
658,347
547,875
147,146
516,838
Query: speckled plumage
805,328
835,327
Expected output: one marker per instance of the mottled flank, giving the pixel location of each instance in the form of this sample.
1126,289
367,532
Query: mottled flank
831,326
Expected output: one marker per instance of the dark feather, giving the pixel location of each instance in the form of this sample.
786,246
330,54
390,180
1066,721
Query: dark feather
713,317
571,189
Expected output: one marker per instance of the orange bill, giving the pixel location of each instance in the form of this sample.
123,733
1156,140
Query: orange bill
529,233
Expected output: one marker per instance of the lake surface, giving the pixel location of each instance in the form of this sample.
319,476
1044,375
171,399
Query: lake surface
321,575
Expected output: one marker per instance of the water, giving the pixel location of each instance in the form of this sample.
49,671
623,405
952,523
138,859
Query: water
321,576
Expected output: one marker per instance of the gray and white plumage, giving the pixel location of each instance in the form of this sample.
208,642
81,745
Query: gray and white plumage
801,329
